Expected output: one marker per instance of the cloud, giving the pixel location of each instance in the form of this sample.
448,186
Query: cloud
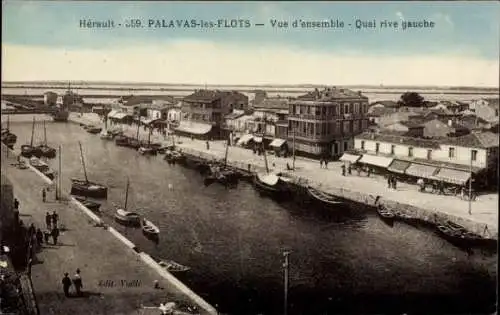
201,61
400,15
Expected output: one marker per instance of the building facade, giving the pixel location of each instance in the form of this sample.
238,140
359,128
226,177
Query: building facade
50,98
205,111
324,123
486,109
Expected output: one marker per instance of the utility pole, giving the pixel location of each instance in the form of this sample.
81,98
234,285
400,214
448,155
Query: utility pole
470,185
285,266
60,173
293,144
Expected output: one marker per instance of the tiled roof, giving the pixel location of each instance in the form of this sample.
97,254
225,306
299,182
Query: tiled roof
412,124
332,93
386,103
208,95
397,139
380,111
273,103
492,102
138,99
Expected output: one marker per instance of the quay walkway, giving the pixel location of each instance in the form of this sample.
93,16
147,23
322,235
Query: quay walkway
116,278
483,220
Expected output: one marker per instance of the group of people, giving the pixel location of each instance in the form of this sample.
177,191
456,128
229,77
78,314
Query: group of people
391,181
76,281
323,161
51,220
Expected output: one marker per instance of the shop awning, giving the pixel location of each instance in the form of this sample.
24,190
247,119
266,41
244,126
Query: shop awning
120,115
421,170
244,139
257,139
452,176
398,166
277,143
380,161
347,157
148,121
194,127
112,113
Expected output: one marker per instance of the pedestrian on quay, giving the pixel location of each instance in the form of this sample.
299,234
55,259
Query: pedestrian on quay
320,163
349,169
48,220
55,234
389,180
16,204
39,237
77,281
55,218
421,184
394,182
46,236
208,145
343,169
326,162
368,172
31,230
44,194
358,169
66,282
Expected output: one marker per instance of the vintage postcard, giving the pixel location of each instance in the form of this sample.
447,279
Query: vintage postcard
296,158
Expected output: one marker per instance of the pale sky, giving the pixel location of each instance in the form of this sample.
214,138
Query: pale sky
53,47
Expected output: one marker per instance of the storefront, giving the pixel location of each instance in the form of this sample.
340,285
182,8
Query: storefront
378,164
279,146
417,171
350,158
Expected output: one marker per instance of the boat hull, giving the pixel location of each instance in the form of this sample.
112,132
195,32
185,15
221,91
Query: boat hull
322,198
85,190
47,152
127,221
28,151
60,116
92,206
278,191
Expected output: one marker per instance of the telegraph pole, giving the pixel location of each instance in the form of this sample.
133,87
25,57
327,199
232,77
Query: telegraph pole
470,185
285,266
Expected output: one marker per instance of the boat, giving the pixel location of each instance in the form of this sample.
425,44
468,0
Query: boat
93,129
86,188
406,218
223,174
46,150
148,148
106,135
91,205
459,235
134,143
385,213
170,265
271,184
60,115
173,156
149,229
127,218
28,150
8,138
42,167
121,140
323,197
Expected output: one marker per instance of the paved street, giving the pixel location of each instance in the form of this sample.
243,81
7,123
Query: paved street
100,256
484,209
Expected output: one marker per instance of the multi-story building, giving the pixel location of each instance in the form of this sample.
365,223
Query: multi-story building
324,123
486,109
449,159
49,98
205,111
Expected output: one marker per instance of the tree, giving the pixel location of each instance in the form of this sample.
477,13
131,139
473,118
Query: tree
411,99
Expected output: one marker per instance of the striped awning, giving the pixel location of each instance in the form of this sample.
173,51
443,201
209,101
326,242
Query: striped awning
277,143
347,157
380,161
421,170
452,176
194,127
398,166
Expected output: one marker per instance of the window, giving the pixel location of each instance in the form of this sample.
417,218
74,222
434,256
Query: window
429,154
451,153
473,155
377,147
393,149
362,145
496,112
410,152
345,145
346,127
346,108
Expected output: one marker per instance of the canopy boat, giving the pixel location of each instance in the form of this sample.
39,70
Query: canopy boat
91,205
121,140
148,149
172,156
127,218
28,150
86,188
322,197
170,265
42,167
271,184
93,129
149,229
46,150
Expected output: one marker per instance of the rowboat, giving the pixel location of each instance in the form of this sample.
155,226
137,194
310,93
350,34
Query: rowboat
93,129
385,214
323,197
170,265
127,218
147,150
149,229
91,205
271,184
42,167
28,151
106,135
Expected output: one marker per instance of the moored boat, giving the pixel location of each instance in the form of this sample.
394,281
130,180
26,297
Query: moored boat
147,151
89,204
121,140
93,129
42,167
8,138
44,148
323,197
86,188
385,214
170,265
29,150
106,135
406,218
272,185
149,229
127,218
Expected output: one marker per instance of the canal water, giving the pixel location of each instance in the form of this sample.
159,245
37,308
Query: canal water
342,261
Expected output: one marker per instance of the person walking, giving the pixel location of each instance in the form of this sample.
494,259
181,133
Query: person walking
368,172
55,218
389,181
77,281
394,182
320,163
326,162
39,237
66,282
55,234
48,220
46,236
44,194
16,204
31,230
343,169
349,169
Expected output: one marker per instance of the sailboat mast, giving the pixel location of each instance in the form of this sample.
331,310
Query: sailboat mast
126,194
32,132
227,151
137,135
8,122
83,162
263,149
293,161
149,136
44,133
